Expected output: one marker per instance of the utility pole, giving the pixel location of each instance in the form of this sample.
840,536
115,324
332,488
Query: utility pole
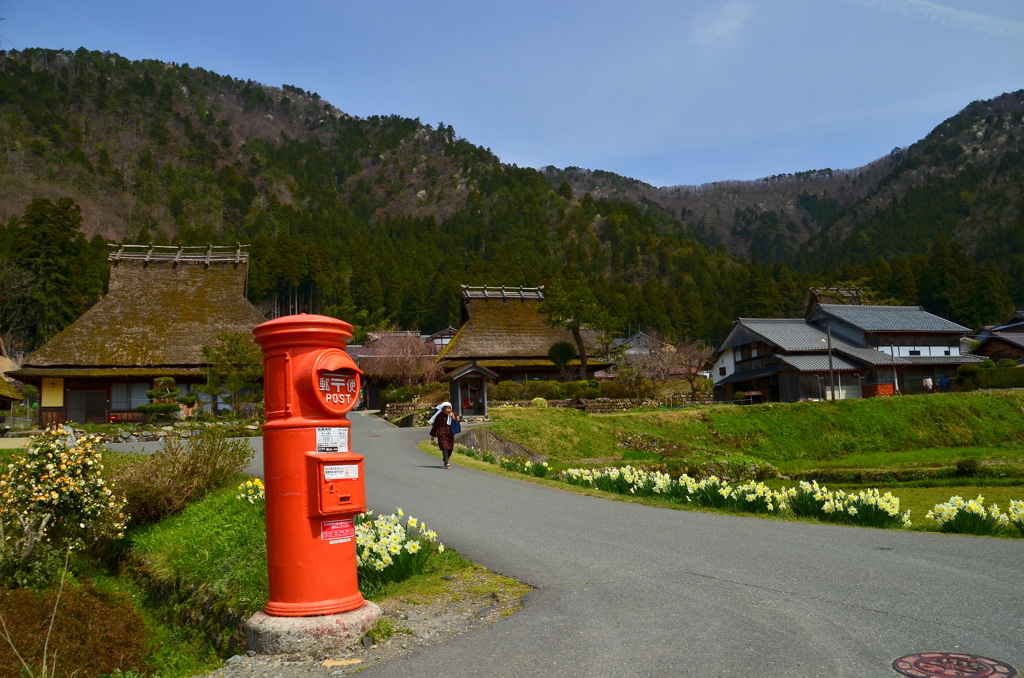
895,379
831,372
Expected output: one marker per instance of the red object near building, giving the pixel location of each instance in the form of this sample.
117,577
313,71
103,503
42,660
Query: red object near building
878,390
314,484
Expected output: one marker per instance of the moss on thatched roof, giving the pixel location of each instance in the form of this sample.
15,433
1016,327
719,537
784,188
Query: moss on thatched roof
8,392
101,372
160,313
506,329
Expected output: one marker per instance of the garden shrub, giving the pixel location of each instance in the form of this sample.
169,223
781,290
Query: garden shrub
987,364
54,498
967,467
972,377
539,402
1007,362
178,473
94,633
398,394
549,390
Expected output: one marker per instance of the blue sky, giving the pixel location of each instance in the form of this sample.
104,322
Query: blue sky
671,92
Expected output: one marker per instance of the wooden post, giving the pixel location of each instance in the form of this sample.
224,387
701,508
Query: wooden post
831,372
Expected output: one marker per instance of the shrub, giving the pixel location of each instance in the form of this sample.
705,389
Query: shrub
1007,362
54,497
398,394
967,377
549,390
388,552
969,517
539,402
165,482
987,364
94,633
971,377
967,467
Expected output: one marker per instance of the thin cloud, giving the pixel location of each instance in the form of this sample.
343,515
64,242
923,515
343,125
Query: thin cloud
948,16
723,25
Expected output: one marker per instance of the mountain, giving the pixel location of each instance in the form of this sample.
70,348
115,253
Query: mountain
978,151
378,220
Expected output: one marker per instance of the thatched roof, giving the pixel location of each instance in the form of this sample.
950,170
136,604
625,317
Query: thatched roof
8,392
506,326
156,313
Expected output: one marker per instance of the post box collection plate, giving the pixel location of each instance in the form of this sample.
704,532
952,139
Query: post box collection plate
334,439
337,531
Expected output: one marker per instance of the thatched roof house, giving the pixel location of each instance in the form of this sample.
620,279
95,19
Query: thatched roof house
8,392
504,331
163,305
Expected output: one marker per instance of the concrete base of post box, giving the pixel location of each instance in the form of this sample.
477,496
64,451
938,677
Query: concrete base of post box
309,635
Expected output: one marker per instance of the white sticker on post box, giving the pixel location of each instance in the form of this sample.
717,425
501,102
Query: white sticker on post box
337,531
341,472
333,439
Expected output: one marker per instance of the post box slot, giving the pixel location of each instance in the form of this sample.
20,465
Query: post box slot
337,484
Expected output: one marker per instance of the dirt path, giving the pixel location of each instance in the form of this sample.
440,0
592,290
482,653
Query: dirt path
470,600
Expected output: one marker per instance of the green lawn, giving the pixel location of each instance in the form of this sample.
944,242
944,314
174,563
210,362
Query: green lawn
780,432
925,458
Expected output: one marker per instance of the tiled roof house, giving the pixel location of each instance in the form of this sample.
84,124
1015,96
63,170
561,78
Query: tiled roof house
876,350
1004,341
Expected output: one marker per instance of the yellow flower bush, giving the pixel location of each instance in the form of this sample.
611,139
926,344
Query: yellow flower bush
54,497
867,507
971,517
388,551
252,491
1016,515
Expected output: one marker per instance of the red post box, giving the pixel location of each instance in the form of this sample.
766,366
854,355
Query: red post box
313,482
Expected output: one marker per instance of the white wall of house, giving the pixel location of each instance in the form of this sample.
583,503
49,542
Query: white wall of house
908,351
726,361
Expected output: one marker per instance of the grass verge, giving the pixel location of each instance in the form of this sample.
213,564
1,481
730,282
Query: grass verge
778,432
919,500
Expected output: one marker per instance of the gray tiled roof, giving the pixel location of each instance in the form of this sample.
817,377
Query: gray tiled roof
795,334
891,318
818,362
1012,338
749,374
943,359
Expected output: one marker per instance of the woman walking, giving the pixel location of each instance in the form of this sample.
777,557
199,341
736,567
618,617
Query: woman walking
443,427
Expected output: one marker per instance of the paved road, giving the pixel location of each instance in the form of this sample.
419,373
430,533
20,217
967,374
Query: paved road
625,590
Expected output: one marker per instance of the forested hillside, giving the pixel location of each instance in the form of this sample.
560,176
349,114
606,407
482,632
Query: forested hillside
375,220
940,223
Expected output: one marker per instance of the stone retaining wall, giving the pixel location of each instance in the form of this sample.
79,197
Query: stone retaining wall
397,410
482,440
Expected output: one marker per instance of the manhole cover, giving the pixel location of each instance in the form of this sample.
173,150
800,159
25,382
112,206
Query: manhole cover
934,664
